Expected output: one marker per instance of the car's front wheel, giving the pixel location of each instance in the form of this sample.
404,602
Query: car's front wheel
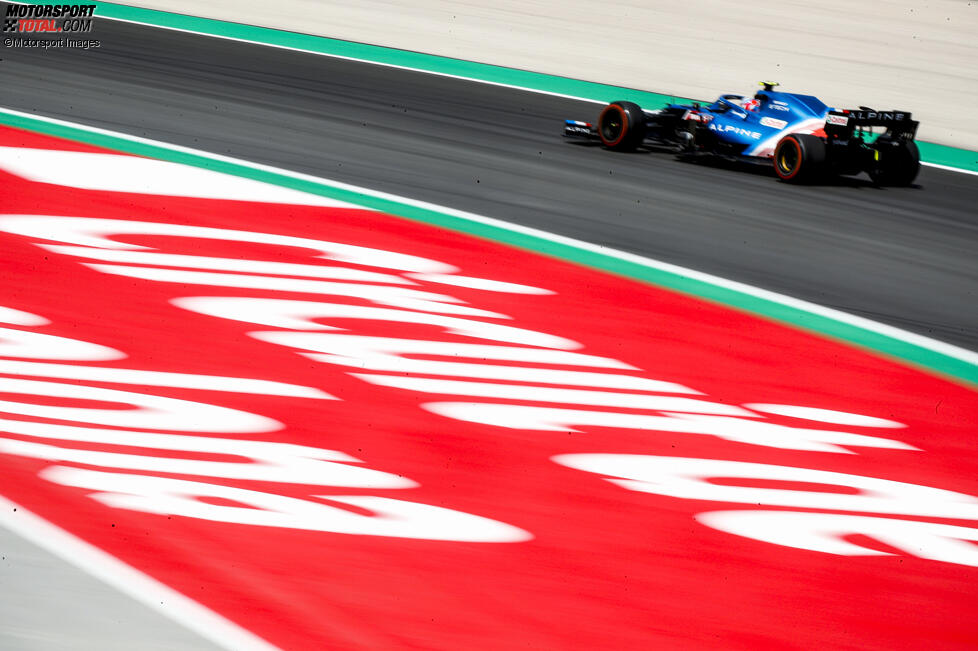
621,126
800,158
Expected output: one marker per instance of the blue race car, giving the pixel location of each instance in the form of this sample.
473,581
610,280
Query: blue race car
805,139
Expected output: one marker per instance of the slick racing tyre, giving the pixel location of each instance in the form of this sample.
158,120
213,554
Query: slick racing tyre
895,163
621,126
800,158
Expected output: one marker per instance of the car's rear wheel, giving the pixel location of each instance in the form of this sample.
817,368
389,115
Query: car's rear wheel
800,158
895,162
621,126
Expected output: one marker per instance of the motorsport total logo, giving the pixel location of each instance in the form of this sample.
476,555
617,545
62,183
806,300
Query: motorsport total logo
45,19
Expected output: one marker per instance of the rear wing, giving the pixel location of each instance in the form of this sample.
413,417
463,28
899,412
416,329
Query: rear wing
842,123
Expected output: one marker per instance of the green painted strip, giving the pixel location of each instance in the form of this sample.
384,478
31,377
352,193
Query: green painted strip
930,152
946,360
935,154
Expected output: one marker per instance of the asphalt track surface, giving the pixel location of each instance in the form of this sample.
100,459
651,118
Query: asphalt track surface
907,257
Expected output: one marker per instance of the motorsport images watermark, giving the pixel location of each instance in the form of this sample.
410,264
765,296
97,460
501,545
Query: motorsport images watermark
45,21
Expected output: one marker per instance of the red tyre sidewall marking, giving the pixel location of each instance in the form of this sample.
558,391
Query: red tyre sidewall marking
624,123
777,154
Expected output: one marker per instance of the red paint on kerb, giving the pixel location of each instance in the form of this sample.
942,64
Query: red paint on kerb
608,568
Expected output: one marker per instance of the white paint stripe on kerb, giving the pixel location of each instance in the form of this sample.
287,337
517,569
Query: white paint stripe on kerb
119,173
941,347
950,169
128,580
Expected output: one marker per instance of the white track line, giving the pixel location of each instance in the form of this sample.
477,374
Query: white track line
951,169
949,350
128,580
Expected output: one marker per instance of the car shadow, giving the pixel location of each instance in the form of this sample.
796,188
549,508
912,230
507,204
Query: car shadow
760,169
741,167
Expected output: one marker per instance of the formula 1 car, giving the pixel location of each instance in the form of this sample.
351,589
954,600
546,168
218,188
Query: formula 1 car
805,139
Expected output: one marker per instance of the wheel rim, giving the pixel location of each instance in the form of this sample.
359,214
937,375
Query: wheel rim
789,155
612,125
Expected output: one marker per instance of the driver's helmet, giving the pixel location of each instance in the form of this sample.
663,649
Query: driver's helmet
752,104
